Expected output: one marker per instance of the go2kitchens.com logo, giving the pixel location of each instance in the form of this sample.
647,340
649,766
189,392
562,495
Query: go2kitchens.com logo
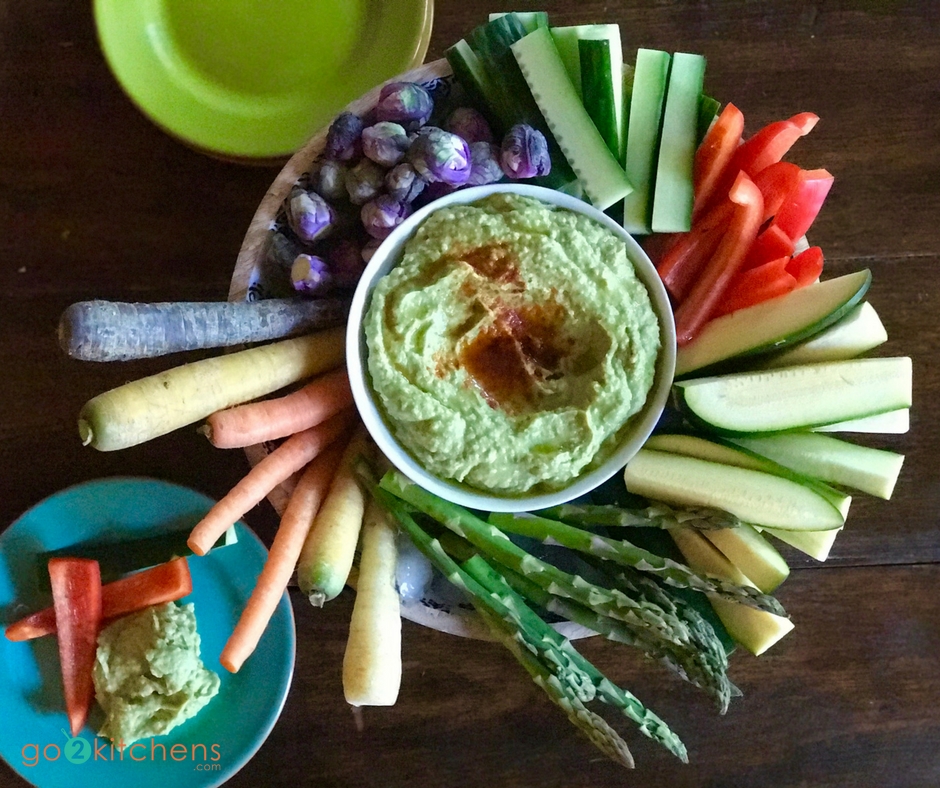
79,750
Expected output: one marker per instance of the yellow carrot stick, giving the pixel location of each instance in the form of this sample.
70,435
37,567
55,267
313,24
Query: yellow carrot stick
328,553
155,405
282,558
372,660
286,459
257,422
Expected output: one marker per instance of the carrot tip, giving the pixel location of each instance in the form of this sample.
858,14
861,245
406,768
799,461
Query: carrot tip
196,546
229,664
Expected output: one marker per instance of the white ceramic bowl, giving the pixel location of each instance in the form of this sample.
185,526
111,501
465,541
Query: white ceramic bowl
387,257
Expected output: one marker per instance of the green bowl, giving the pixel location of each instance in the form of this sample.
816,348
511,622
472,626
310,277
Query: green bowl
254,79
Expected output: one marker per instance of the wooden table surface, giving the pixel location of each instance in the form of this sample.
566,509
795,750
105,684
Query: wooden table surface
95,201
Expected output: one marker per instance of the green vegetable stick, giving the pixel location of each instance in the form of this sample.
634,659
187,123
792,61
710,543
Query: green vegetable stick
623,552
671,633
569,680
656,515
673,197
593,726
650,724
675,659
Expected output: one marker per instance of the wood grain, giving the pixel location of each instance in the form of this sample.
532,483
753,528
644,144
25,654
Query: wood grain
97,202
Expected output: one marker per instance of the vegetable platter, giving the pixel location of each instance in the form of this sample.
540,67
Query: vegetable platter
771,371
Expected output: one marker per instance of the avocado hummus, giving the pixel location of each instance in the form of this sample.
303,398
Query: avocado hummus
511,345
148,674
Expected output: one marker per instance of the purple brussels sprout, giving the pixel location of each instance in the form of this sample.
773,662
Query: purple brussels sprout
524,152
403,183
342,138
364,181
329,180
484,164
383,214
470,124
385,143
438,155
309,274
406,103
309,215
346,263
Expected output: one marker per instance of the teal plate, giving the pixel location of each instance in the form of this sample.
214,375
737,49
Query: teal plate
205,750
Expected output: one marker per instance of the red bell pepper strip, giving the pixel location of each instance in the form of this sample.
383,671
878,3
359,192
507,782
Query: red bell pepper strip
710,286
163,583
765,147
800,210
772,142
806,266
757,285
686,257
771,244
714,154
76,596
777,184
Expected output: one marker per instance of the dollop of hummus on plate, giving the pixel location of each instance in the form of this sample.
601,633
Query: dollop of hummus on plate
511,345
148,673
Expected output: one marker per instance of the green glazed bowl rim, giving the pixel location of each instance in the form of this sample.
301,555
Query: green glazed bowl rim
238,121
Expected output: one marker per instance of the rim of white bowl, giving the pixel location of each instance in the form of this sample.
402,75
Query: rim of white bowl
387,257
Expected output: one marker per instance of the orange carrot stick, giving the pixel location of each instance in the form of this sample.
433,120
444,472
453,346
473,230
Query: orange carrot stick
282,558
256,422
289,457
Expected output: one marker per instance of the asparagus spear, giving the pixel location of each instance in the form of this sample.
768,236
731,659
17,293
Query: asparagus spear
702,634
607,691
554,664
596,728
712,677
668,632
656,515
621,551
